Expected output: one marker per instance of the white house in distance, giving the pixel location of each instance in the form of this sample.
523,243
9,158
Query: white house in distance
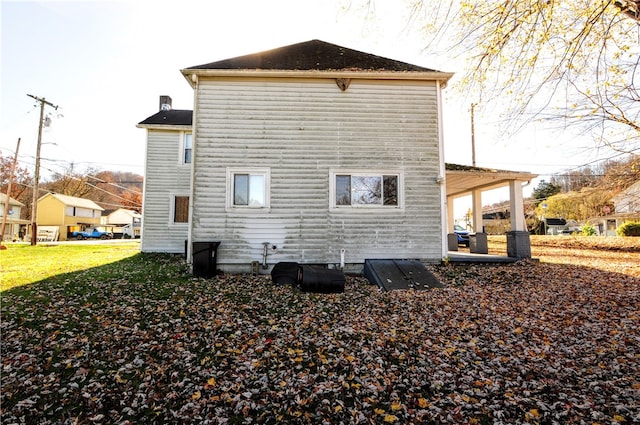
124,222
627,208
312,153
15,228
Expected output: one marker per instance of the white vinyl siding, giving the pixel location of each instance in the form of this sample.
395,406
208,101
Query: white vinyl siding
164,179
302,130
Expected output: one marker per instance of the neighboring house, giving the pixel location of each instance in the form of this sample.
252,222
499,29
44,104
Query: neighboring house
627,208
628,201
554,226
124,223
312,153
67,213
15,228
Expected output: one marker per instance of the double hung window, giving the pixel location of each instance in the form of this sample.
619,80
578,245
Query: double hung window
187,148
248,188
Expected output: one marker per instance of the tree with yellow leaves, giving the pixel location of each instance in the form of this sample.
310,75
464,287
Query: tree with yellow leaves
564,62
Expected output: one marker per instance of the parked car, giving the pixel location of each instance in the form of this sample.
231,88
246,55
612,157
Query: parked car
92,234
462,233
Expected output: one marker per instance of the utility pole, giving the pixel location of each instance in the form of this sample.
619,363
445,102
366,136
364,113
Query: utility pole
6,201
473,137
36,178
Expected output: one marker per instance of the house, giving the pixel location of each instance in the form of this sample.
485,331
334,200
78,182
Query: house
313,153
627,208
628,201
123,222
167,182
128,223
15,228
67,214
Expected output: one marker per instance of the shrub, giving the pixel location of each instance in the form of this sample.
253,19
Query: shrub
629,228
588,230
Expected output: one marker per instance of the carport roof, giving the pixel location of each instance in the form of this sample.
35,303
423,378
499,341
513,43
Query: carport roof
463,179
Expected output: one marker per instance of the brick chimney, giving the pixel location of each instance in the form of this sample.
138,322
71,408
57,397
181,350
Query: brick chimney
165,103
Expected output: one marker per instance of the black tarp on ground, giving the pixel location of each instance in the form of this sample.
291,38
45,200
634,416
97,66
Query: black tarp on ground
400,274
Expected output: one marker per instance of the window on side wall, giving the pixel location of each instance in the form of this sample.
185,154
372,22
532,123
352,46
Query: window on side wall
366,189
180,209
187,150
248,188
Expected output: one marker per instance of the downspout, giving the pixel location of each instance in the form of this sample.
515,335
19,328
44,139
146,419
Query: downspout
441,178
194,158
265,250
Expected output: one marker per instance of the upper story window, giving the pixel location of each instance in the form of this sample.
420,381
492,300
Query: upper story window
82,212
248,188
364,189
187,148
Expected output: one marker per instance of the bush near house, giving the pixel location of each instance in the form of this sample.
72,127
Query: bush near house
629,229
588,230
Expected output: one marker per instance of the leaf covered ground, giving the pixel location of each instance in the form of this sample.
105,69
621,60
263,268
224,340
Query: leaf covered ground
141,341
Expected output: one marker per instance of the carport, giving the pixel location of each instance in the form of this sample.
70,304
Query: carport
464,180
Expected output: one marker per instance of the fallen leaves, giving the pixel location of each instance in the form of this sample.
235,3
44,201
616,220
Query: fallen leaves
523,343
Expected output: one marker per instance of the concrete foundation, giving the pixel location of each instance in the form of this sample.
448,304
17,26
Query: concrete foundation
518,244
478,243
452,242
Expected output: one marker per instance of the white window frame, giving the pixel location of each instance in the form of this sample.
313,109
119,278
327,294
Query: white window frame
172,209
263,171
366,173
183,147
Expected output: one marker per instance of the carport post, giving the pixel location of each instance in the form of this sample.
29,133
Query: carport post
476,198
518,241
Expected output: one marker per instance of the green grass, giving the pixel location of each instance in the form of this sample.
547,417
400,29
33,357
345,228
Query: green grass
25,264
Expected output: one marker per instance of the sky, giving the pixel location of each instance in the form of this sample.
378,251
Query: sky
105,64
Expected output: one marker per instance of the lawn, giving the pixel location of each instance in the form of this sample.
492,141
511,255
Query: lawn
23,264
139,340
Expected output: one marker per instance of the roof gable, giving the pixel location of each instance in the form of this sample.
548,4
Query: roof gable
72,201
15,202
313,55
130,213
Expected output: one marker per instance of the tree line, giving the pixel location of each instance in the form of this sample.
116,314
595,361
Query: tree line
109,189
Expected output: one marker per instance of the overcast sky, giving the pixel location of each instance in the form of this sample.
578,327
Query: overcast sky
105,63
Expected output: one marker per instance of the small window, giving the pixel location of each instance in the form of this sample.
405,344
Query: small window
188,148
365,189
180,209
248,188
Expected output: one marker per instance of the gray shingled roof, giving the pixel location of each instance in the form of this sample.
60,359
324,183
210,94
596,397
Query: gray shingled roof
171,117
72,201
313,55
